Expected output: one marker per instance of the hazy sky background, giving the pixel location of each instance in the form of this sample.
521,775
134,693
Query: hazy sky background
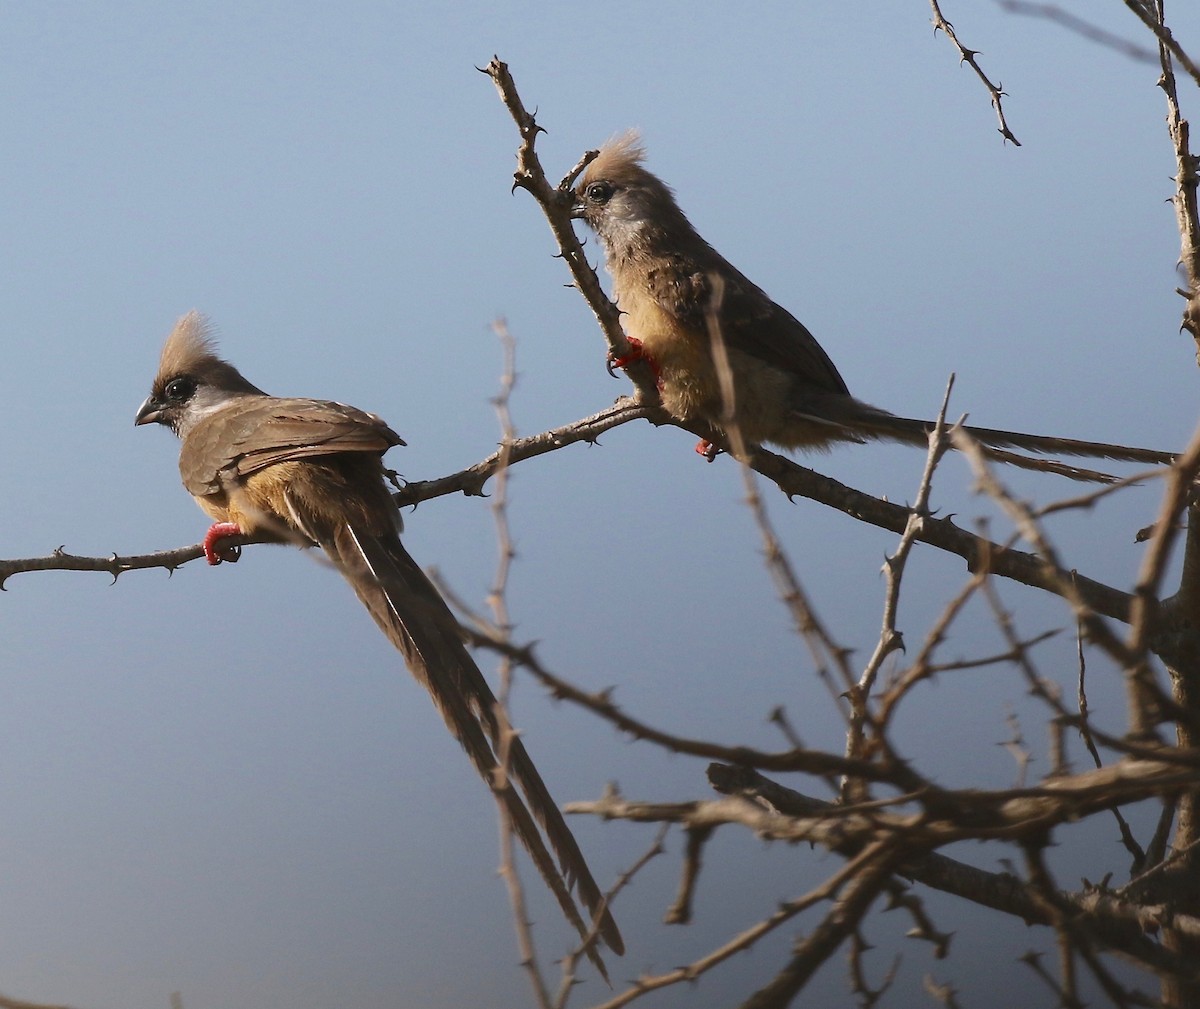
224,783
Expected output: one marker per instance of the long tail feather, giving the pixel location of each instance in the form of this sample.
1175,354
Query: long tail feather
413,615
859,418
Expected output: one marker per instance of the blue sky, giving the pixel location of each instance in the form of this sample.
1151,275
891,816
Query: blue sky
223,782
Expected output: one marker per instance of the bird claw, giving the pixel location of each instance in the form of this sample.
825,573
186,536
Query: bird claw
707,449
636,353
214,550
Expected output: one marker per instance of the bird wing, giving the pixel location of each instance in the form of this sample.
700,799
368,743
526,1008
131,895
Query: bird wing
252,433
750,321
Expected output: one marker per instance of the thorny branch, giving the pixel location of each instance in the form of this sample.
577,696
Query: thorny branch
789,476
827,655
1187,168
556,202
891,639
849,906
1150,13
786,911
968,56
1119,922
498,602
570,961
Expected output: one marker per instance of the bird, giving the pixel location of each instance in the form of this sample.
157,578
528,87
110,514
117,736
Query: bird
672,286
310,472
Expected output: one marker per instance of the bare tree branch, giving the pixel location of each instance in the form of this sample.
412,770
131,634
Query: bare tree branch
1076,24
1150,13
968,56
556,202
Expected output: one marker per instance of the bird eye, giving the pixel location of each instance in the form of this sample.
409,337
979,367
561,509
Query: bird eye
600,192
179,389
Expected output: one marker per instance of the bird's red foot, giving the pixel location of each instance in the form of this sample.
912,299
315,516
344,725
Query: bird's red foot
707,449
214,551
636,353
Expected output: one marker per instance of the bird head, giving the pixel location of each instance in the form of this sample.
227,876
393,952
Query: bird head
192,380
621,201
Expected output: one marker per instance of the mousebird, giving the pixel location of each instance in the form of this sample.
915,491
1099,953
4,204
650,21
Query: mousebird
787,390
310,472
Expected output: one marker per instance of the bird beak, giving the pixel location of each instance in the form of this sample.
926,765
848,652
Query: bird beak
578,210
148,413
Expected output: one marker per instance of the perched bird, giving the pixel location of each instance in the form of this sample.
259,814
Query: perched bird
308,471
670,284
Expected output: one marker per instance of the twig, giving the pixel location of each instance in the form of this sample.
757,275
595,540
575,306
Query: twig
1085,731
1144,694
923,667
1187,206
1151,15
968,56
868,996
890,638
114,564
497,601
814,762
571,961
1073,935
1118,923
471,481
877,863
556,204
744,940
796,480
825,652
1076,24
680,911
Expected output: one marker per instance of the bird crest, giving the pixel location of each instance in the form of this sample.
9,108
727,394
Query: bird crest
190,343
619,161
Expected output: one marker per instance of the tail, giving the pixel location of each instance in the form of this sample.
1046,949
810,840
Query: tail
862,419
411,612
